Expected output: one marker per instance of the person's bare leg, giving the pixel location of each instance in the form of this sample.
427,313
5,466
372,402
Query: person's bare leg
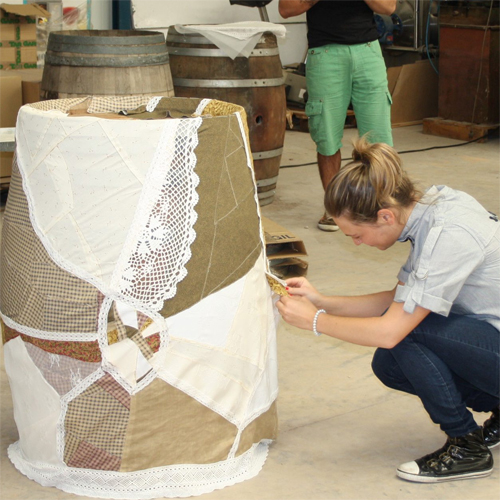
328,168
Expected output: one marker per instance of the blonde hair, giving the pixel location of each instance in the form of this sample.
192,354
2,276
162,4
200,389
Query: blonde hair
374,180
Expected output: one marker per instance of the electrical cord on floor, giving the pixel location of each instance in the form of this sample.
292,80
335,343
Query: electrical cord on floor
399,152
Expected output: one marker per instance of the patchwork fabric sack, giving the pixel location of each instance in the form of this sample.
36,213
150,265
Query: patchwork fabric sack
139,327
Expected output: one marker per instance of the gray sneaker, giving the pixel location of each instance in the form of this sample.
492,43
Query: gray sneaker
326,223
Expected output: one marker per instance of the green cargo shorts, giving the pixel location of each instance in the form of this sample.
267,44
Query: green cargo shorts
337,75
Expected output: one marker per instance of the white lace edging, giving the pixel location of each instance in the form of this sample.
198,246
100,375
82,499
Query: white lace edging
169,482
158,245
40,334
153,102
201,107
256,196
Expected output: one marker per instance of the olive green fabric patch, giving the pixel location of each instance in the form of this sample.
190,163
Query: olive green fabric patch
169,427
263,427
227,240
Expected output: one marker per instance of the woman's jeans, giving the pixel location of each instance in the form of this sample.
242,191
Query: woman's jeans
451,364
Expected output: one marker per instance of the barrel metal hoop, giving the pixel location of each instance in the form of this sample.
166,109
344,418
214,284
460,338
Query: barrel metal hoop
215,84
106,40
267,182
185,51
114,62
262,195
158,48
262,155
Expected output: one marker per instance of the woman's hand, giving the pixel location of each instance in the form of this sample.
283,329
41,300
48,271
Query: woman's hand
300,287
297,311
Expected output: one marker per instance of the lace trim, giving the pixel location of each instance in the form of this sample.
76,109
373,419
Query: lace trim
157,246
153,102
250,166
203,104
170,481
39,334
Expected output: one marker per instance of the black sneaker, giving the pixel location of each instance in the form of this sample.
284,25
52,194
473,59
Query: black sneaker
491,429
464,457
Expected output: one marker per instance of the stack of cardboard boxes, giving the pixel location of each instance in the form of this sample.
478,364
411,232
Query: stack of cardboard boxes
285,250
18,42
19,76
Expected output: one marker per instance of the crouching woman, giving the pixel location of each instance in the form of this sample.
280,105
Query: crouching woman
438,331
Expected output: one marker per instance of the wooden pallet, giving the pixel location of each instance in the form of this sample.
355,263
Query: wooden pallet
462,131
300,116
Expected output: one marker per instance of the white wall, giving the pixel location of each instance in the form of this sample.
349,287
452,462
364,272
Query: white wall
101,18
160,14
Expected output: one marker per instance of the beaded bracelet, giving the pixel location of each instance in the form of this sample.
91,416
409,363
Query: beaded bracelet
315,321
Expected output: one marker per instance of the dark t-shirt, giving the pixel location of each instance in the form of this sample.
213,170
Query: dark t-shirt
340,21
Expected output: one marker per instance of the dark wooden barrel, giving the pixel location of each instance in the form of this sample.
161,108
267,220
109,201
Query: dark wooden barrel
106,62
201,69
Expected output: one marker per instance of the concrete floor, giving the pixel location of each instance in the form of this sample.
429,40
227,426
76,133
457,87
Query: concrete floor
342,433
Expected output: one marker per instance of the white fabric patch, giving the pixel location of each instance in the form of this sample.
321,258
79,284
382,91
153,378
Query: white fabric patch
61,372
84,179
37,406
225,377
210,320
112,200
127,314
123,356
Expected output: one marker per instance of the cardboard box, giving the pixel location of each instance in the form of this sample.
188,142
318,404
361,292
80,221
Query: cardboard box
284,250
10,102
295,87
414,91
18,35
5,169
11,99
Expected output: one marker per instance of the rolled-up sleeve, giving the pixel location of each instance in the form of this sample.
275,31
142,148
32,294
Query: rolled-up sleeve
448,257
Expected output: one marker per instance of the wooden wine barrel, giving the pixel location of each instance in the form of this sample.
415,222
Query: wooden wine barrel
106,62
200,69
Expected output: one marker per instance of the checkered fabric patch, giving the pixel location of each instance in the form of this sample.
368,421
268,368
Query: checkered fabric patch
70,446
36,292
142,319
96,104
98,418
143,345
59,104
114,321
109,384
101,104
88,456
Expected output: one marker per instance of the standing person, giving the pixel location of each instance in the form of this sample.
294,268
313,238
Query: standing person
344,64
438,331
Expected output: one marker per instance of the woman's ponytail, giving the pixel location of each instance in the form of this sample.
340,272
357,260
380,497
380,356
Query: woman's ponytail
374,180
